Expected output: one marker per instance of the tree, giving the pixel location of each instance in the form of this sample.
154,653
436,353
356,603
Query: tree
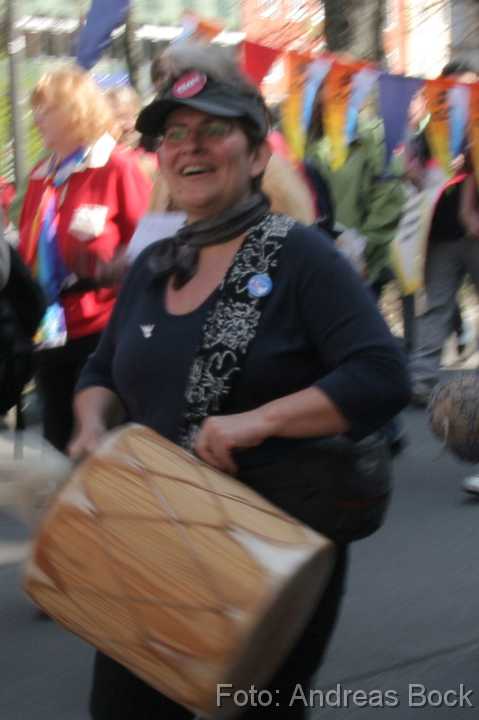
132,50
355,27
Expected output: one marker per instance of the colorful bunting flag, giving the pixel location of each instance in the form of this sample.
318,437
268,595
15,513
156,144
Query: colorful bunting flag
103,17
315,76
197,27
338,88
395,95
361,86
296,65
438,128
257,60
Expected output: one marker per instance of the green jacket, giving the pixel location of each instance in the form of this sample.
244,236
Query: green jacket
365,196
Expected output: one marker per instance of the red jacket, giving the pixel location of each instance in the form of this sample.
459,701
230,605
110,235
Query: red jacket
98,209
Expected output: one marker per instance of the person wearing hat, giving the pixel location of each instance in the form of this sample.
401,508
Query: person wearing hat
253,332
288,189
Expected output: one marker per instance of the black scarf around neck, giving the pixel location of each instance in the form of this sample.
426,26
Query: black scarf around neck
179,254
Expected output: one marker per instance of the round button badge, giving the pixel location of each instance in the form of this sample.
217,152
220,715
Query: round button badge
189,85
260,285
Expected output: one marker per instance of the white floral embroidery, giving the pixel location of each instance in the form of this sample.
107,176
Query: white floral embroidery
213,374
231,325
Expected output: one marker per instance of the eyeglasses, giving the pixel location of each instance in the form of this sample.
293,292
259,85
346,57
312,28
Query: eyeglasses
211,130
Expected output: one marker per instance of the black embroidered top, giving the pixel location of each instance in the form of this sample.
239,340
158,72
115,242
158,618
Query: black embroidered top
318,325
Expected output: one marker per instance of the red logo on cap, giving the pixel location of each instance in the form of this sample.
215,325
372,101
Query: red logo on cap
189,85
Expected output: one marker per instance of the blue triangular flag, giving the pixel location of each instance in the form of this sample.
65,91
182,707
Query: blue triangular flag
395,95
103,17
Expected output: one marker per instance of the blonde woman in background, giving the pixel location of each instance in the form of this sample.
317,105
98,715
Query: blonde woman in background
80,210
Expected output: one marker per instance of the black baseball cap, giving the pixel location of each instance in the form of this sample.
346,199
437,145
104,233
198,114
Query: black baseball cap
196,90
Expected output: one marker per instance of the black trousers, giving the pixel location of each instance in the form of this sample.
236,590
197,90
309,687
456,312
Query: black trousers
58,371
118,695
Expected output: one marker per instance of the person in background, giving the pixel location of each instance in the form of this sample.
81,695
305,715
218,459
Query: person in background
464,73
368,200
451,256
22,305
469,214
367,197
323,201
288,191
276,138
126,105
309,175
80,210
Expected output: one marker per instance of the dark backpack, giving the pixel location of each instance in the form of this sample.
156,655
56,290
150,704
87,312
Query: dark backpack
22,305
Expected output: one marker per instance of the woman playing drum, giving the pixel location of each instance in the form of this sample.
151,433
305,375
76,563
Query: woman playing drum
246,330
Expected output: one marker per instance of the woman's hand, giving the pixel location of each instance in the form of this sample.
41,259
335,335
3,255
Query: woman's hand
220,435
111,273
85,440
95,410
81,262
104,274
306,413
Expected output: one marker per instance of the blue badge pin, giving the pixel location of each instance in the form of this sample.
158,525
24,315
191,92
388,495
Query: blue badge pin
260,285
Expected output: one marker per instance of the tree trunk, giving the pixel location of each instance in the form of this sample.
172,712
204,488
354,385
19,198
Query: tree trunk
355,27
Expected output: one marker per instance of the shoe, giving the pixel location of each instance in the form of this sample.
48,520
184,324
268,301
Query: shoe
471,485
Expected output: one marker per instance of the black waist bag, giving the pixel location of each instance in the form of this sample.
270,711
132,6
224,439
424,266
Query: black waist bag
338,487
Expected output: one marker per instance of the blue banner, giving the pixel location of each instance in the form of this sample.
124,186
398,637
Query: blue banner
395,95
459,100
315,75
103,17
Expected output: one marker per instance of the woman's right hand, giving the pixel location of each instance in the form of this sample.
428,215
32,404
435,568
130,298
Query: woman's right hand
85,440
93,408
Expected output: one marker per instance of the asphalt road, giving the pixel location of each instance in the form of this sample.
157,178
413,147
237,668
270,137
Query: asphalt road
410,617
